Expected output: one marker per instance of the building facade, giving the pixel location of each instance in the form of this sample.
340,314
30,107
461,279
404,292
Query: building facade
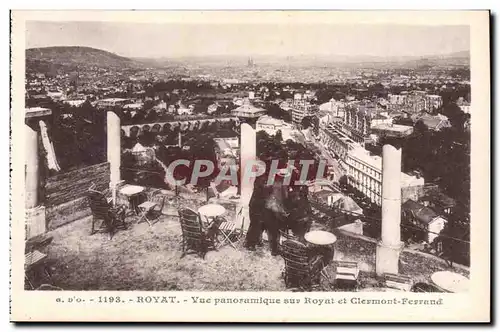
271,126
364,172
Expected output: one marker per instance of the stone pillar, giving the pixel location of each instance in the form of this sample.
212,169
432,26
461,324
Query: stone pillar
390,246
32,166
114,149
35,211
247,155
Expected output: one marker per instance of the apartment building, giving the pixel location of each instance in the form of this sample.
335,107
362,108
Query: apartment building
364,172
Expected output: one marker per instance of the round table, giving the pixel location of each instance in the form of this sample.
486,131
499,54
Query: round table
320,238
322,243
450,281
132,192
211,211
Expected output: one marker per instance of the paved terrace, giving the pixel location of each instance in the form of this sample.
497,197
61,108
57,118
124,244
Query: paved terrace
149,258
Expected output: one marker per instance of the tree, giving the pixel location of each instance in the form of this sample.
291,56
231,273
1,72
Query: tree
307,122
278,137
455,115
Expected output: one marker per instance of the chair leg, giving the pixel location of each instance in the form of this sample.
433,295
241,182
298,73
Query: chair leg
27,278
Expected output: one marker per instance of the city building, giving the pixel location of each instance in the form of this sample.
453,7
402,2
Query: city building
434,102
75,102
391,130
55,95
435,122
464,105
439,202
212,108
334,107
271,126
337,143
298,114
424,218
364,172
395,99
110,103
248,111
357,120
415,101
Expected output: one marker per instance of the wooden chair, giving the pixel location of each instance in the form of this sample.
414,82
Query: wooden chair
102,209
398,281
302,272
285,235
151,210
195,237
346,275
227,232
34,264
421,287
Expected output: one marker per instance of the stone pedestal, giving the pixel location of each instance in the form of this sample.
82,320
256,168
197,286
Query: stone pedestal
35,222
387,258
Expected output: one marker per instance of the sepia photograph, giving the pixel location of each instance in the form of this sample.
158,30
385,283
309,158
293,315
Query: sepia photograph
306,158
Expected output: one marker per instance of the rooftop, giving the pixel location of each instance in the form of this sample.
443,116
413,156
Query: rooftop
34,112
423,213
392,127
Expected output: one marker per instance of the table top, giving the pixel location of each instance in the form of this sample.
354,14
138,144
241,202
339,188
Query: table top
131,190
212,210
451,281
320,238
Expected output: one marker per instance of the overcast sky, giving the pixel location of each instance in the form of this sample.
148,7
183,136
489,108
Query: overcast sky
166,40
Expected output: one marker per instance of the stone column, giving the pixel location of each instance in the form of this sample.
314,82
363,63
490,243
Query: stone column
114,150
35,211
32,166
390,246
247,155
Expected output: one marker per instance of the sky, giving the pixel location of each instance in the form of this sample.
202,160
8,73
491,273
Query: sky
177,40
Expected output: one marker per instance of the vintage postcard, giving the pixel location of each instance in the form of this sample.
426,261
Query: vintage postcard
246,166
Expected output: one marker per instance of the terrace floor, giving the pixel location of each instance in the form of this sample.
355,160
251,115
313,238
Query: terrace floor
149,258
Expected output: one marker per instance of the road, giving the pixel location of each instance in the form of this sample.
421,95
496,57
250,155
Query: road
305,138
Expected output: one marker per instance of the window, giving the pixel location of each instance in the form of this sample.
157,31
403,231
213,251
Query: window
439,246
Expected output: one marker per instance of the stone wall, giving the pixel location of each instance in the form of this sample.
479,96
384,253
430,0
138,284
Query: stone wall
65,194
67,187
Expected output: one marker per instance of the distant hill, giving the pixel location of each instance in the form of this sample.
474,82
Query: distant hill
74,56
56,58
452,59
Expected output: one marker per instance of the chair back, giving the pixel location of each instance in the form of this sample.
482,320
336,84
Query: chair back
190,224
287,236
422,287
297,267
398,281
160,199
98,204
284,235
